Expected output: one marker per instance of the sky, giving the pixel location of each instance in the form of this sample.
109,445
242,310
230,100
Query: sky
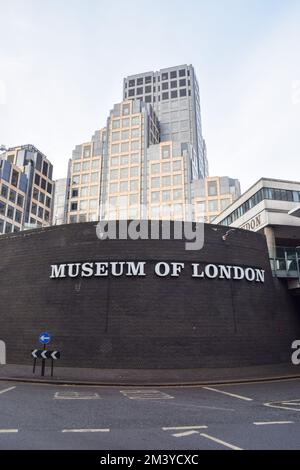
62,64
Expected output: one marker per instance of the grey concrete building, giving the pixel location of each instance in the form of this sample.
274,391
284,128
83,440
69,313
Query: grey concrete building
174,95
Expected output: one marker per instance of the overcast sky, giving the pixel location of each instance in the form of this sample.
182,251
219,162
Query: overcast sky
62,64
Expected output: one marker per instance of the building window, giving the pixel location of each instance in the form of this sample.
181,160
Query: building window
12,196
135,121
148,79
95,177
125,147
148,89
86,166
87,152
213,206
177,194
95,164
76,180
212,188
165,96
76,169
125,135
115,136
116,124
165,86
148,99
114,161
41,212
125,122
123,173
166,151
165,76
139,91
166,167
155,196
14,178
43,183
131,83
174,84
74,193
166,195
135,145
177,179
225,203
2,208
182,82
182,92
155,168
85,178
126,109
124,187
37,178
4,191
42,198
135,133
155,182
115,148
48,201
182,73
166,181
131,93
45,168
8,227
140,81
20,200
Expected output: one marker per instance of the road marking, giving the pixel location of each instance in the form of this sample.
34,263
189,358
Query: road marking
4,431
7,390
182,428
184,434
229,394
86,430
262,423
226,444
290,405
76,396
146,395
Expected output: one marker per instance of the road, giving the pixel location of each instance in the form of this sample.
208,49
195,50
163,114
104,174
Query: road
244,416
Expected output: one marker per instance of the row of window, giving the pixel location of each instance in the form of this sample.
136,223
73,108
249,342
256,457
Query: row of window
41,197
85,191
74,219
124,146
164,76
124,173
40,212
124,135
12,195
125,160
165,86
10,212
166,95
39,181
157,181
91,205
125,122
166,167
85,178
213,205
264,193
86,166
124,186
166,195
7,227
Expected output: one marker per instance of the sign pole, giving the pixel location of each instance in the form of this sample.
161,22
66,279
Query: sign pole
52,364
43,364
34,364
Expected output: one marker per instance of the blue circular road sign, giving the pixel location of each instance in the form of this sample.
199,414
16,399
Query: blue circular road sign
44,338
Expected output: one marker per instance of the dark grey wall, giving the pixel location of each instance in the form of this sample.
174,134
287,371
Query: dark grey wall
142,322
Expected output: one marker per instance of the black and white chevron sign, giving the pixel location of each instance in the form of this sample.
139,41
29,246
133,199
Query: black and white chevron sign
43,354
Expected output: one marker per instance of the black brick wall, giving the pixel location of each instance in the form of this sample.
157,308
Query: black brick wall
146,322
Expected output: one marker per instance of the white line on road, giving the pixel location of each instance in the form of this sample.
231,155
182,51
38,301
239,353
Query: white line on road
86,430
229,394
226,444
182,428
186,433
7,390
262,423
4,431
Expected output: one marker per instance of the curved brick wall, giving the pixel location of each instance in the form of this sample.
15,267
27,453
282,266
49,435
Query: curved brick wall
142,322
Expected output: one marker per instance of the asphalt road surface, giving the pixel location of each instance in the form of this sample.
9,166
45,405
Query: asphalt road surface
247,416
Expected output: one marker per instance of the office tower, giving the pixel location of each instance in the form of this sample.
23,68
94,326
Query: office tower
84,177
39,191
174,95
13,187
60,201
214,194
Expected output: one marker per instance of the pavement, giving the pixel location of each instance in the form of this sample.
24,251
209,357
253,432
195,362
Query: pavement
148,377
260,415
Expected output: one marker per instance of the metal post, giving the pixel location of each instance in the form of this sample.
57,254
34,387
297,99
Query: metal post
43,364
52,364
34,364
